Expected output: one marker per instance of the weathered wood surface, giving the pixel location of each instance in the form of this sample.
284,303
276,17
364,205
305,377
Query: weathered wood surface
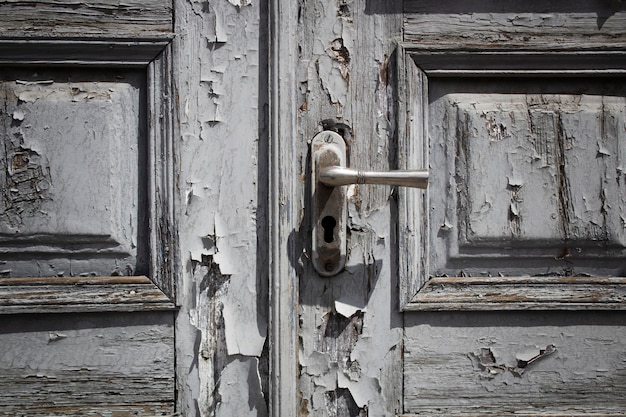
412,153
73,181
550,221
521,293
220,102
525,172
350,334
535,169
510,24
546,363
87,364
217,115
80,294
283,214
111,18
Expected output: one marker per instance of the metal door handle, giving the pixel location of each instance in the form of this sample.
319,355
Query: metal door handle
336,175
329,198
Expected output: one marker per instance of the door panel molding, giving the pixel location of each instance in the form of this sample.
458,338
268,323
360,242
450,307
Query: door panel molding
119,52
420,69
283,209
19,294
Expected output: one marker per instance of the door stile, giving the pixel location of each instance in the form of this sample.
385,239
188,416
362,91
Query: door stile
284,206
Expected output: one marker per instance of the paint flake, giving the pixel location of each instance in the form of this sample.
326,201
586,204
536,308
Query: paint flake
348,308
240,3
361,390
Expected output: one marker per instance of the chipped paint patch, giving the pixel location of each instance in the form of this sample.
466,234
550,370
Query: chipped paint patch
486,361
240,3
219,95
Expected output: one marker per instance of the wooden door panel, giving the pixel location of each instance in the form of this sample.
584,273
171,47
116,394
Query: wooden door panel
536,177
89,364
74,174
509,364
104,18
520,109
86,209
526,180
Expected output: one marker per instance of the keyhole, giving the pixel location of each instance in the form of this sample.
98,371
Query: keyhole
329,223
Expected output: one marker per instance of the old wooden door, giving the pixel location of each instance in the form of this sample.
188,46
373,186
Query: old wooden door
133,172
86,287
498,290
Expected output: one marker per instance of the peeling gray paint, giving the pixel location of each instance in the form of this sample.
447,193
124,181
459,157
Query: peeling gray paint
217,46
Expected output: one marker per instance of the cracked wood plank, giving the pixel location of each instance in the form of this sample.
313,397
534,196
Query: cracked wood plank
469,364
102,18
346,84
510,24
221,101
78,294
87,364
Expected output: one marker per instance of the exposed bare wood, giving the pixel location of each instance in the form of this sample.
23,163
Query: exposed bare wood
59,294
509,24
89,364
474,363
524,293
533,235
101,17
413,212
162,168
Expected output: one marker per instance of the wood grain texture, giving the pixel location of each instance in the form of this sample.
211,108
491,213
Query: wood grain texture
413,153
283,218
510,24
93,17
478,364
161,164
348,327
59,294
574,131
521,293
87,364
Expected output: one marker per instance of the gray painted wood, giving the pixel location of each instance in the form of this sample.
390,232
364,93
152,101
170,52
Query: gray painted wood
478,364
221,176
283,213
54,221
334,62
549,59
87,364
549,212
350,329
509,24
87,183
93,17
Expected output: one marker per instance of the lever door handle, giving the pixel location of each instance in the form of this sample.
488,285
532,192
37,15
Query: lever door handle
334,176
329,198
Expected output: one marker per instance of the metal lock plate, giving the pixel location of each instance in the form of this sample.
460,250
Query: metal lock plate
328,204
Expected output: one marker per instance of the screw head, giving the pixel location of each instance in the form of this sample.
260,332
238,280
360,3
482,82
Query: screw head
329,266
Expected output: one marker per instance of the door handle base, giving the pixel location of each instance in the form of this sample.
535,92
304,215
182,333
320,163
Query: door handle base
329,205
